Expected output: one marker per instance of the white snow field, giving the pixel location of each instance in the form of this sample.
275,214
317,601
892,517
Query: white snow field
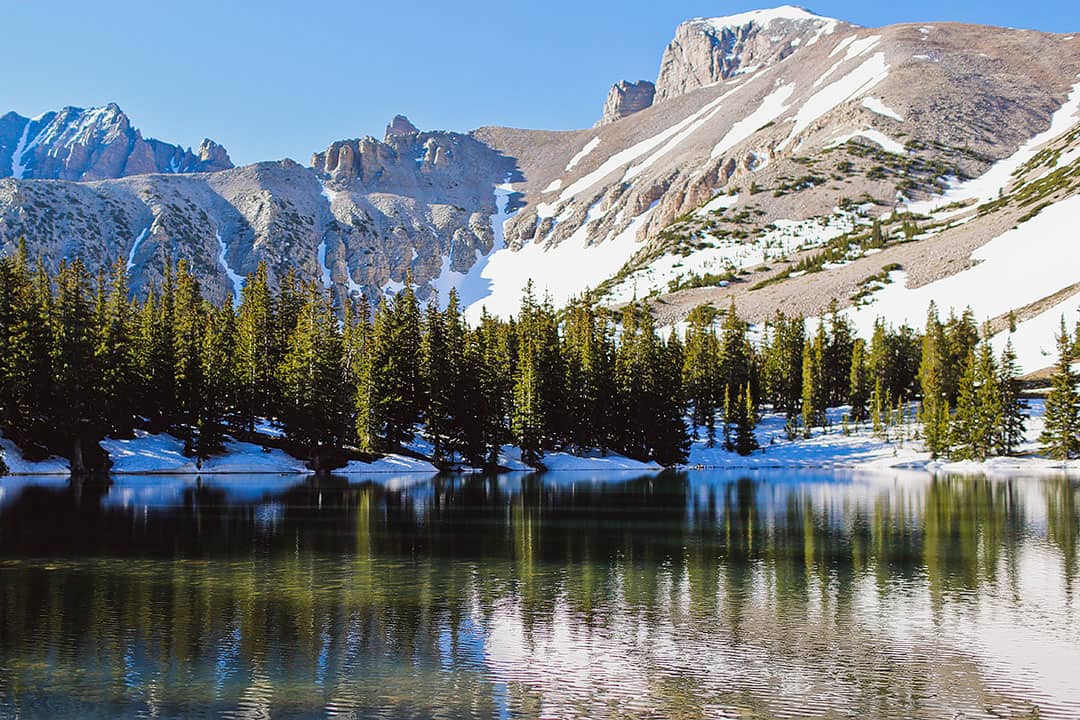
875,105
875,136
1010,271
860,449
989,185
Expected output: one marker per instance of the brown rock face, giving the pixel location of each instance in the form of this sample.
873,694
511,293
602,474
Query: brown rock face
400,125
708,51
627,98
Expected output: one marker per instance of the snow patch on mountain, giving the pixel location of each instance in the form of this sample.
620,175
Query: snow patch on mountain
639,149
874,136
1011,271
561,271
135,247
875,105
859,81
765,18
990,184
772,107
582,154
223,259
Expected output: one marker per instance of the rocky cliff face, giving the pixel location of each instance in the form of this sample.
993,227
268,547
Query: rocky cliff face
627,98
94,144
771,135
706,51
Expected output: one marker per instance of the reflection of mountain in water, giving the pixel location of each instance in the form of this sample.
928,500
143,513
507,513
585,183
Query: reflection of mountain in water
673,593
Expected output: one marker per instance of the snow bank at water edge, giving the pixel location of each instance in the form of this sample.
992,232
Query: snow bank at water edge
17,465
148,454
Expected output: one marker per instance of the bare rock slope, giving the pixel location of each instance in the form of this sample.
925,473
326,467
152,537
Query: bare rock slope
760,158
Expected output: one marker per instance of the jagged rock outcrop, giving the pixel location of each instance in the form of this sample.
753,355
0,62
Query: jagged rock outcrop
400,125
627,98
706,51
94,144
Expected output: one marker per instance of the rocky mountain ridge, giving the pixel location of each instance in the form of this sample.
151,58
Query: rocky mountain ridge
94,144
767,138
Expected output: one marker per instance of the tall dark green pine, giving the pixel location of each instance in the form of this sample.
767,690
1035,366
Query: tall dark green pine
978,409
220,379
859,382
316,406
115,354
836,357
187,334
436,381
701,370
395,369
494,346
1013,406
783,364
815,391
74,370
934,408
257,349
1061,429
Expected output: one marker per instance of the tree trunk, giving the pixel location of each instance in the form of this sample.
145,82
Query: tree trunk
78,467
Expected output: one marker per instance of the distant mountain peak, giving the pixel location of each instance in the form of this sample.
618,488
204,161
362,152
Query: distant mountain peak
96,143
765,17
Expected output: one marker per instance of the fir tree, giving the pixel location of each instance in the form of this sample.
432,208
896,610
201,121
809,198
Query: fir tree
701,367
257,352
1013,407
1061,430
859,382
978,410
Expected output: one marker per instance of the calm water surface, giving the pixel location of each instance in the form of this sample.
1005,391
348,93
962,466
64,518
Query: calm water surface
692,595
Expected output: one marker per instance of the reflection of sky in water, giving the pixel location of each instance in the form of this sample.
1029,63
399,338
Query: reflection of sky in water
571,594
11,486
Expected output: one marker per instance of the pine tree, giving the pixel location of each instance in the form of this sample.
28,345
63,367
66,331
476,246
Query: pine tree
315,407
220,379
115,353
782,365
1061,430
589,361
436,380
859,382
814,397
1013,407
257,349
744,421
978,410
395,369
187,336
74,370
934,409
701,367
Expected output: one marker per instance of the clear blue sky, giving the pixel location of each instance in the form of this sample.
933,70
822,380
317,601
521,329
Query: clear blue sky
283,78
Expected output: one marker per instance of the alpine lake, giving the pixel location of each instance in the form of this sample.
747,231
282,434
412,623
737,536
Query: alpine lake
697,594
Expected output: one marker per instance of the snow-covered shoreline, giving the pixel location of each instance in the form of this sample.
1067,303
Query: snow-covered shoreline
831,448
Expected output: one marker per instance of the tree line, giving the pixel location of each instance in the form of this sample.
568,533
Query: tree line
82,358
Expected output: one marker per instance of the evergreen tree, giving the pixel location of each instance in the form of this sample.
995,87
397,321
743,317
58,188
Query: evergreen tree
1061,430
978,411
315,403
115,354
1013,407
589,361
701,370
934,409
744,420
814,398
782,366
859,382
74,369
220,379
395,369
257,349
187,334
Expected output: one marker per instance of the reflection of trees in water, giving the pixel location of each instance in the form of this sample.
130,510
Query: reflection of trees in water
375,598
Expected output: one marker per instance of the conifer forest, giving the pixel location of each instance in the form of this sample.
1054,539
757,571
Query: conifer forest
82,358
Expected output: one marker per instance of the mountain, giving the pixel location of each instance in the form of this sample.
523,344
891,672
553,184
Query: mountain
94,144
755,167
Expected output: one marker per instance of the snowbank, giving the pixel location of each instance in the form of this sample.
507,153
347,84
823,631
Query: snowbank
387,464
860,449
17,465
590,461
148,454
